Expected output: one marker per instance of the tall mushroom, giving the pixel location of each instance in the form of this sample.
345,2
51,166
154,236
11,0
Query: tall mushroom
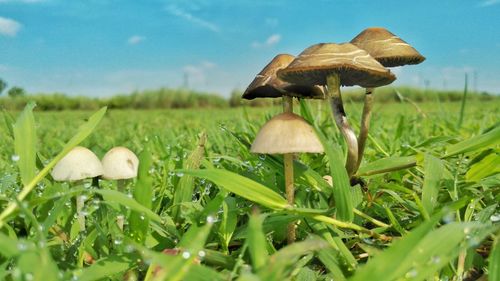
335,65
79,164
287,133
267,85
120,164
390,51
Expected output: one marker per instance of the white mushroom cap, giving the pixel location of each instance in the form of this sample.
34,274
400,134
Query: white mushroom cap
80,163
286,133
120,163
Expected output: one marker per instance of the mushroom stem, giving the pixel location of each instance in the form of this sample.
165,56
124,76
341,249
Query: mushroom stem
340,117
80,202
288,163
365,125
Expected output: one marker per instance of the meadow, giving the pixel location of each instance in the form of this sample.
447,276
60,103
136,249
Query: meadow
424,205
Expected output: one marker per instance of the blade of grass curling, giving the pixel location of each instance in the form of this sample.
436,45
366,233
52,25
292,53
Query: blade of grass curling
256,241
433,171
184,191
25,143
143,194
242,186
341,185
83,132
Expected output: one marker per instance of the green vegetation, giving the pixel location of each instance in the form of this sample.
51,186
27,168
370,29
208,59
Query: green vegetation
425,200
183,98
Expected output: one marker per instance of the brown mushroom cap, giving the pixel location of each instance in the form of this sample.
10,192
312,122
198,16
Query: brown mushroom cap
267,85
286,133
353,65
387,48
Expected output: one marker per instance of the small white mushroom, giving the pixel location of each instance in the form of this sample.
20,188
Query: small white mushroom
120,163
79,164
286,133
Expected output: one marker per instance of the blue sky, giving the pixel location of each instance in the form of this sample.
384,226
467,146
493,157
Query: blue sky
100,48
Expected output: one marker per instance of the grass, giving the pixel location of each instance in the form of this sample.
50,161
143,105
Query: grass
426,206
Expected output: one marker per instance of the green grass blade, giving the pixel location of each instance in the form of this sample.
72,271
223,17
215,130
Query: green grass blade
388,164
83,131
192,242
25,143
105,268
488,166
494,261
256,241
282,262
8,246
185,187
341,184
122,199
228,222
143,194
479,142
433,171
243,187
462,105
379,269
330,259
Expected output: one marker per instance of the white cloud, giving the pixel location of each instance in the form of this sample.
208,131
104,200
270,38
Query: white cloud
9,27
270,41
136,39
197,74
488,3
179,12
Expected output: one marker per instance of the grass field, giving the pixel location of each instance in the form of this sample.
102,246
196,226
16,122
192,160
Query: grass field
425,207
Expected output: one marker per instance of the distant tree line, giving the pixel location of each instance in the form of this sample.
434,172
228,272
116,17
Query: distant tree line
17,98
13,92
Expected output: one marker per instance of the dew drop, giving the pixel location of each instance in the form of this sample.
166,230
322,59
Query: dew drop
15,157
495,218
210,219
411,274
186,255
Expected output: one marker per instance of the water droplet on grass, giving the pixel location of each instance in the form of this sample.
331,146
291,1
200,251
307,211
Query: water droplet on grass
202,254
186,255
15,157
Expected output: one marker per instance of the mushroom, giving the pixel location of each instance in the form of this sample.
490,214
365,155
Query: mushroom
287,133
335,65
120,164
79,164
390,51
267,85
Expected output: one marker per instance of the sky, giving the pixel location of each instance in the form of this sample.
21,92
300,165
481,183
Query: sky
107,47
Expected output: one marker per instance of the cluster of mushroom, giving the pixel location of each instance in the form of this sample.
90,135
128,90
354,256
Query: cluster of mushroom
119,163
318,72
